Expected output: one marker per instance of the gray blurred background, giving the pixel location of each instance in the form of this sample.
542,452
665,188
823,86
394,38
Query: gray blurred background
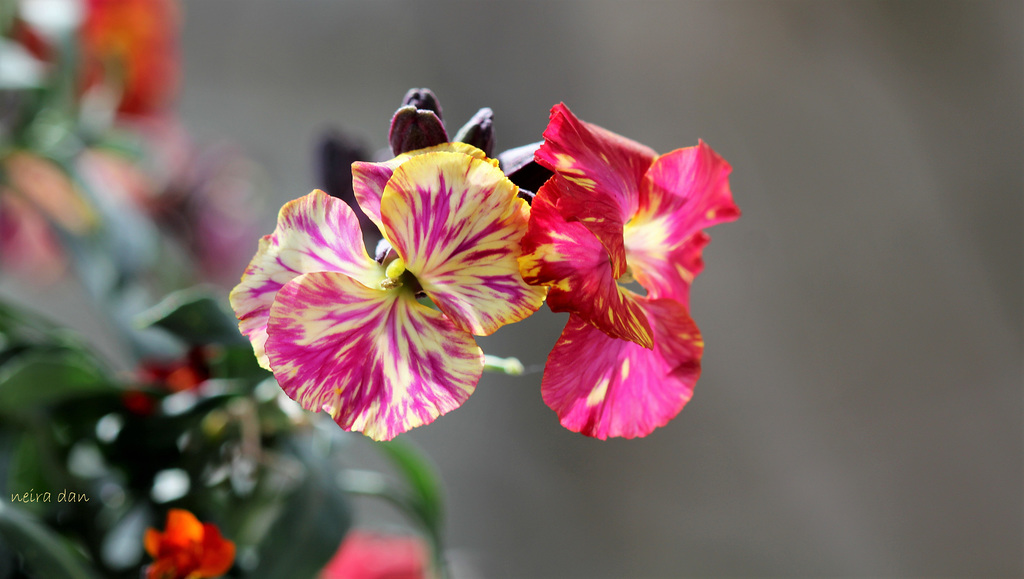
860,411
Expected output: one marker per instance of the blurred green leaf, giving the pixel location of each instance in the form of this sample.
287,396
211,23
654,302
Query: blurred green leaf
44,551
27,471
19,326
42,377
23,331
194,316
238,361
8,10
149,444
425,496
310,527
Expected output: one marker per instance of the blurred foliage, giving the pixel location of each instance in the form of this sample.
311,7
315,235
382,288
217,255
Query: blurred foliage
86,459
92,457
99,180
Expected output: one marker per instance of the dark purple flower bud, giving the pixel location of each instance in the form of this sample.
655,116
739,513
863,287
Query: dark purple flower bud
413,128
335,153
424,100
520,167
479,131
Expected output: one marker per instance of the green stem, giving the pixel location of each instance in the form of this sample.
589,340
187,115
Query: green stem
509,366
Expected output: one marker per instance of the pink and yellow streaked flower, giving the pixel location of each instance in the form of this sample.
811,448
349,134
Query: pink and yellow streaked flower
348,335
615,212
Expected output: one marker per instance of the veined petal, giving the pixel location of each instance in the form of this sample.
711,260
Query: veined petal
378,361
457,222
684,192
664,269
623,389
605,167
314,233
568,257
369,179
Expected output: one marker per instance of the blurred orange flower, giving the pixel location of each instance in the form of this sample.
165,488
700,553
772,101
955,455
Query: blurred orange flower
132,44
44,184
188,549
27,244
36,196
185,373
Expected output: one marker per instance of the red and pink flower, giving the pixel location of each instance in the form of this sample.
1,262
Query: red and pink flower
615,212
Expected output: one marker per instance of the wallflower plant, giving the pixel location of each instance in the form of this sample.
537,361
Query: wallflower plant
385,344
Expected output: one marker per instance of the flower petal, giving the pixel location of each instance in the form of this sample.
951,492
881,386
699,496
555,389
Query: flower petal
369,179
623,389
218,553
183,530
378,361
568,257
367,555
151,541
458,224
684,192
605,167
314,233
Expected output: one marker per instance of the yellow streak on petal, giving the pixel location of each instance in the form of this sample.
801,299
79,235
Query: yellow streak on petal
684,273
567,167
584,182
624,372
597,395
564,162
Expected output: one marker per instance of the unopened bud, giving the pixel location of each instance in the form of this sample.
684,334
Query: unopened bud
479,131
336,151
423,99
413,128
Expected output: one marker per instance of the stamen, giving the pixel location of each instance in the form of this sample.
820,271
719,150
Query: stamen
394,273
395,268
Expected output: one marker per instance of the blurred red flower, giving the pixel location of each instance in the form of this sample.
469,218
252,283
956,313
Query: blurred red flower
133,45
188,549
179,375
364,555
